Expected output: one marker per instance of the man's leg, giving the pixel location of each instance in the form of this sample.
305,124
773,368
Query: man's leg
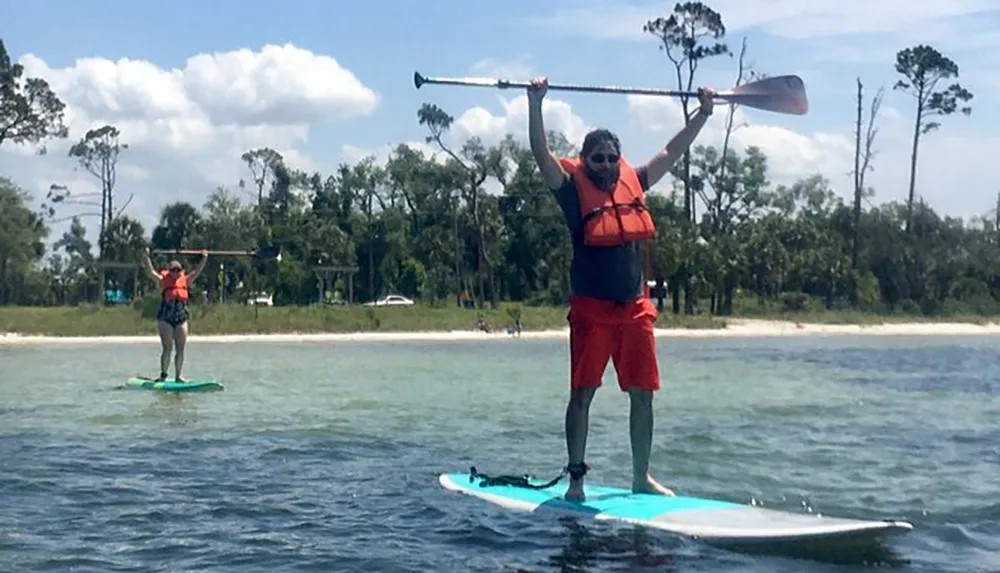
638,374
641,435
590,350
577,427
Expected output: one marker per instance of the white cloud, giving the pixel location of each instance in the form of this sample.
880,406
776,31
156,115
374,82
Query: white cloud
187,127
803,20
519,68
351,154
278,85
947,175
490,128
791,155
557,115
794,19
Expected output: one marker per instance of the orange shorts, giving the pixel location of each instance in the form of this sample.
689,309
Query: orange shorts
599,330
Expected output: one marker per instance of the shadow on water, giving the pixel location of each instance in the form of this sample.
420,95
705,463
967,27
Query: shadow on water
869,552
637,547
631,547
176,409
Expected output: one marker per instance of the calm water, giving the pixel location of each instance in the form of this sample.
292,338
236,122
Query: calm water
324,456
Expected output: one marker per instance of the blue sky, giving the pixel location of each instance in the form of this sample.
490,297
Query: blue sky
335,83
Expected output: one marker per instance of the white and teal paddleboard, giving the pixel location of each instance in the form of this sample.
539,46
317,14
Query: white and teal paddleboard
706,519
173,385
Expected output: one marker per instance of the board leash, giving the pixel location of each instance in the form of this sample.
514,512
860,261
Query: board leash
486,480
576,471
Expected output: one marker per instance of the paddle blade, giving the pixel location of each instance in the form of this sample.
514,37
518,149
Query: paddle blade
271,252
780,94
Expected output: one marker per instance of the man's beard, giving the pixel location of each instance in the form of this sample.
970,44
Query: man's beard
605,179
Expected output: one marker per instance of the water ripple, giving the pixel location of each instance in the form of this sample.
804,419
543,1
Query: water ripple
341,475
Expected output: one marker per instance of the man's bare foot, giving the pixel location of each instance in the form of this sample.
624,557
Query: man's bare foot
650,485
575,491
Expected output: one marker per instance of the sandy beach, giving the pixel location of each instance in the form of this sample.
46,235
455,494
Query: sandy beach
734,328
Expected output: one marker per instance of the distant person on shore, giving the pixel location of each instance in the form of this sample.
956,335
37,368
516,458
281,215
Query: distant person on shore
172,316
603,200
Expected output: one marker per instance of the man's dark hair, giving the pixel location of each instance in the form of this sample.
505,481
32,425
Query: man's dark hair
596,138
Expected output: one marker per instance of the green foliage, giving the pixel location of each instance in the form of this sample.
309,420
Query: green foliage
22,233
29,111
147,305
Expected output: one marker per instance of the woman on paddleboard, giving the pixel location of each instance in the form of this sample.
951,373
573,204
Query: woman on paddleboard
172,317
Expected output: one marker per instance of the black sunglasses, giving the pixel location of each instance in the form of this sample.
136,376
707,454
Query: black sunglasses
600,157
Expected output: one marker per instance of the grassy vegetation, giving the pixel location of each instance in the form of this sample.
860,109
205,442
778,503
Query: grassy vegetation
794,307
139,318
91,320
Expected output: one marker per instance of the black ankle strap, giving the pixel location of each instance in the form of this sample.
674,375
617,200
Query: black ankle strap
577,471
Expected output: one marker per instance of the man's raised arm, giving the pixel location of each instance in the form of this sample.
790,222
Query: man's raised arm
660,164
553,173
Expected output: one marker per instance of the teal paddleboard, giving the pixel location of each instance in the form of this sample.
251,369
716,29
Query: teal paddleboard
706,519
173,385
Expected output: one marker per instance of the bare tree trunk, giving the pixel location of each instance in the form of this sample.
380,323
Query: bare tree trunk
855,248
913,166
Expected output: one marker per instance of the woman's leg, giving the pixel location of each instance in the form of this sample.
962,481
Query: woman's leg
180,336
167,343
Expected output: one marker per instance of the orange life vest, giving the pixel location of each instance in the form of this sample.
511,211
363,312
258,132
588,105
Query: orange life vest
175,288
611,218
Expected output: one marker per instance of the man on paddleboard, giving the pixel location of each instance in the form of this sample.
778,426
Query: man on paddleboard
610,315
172,316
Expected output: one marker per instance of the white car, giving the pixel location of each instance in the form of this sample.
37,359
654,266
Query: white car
260,298
391,300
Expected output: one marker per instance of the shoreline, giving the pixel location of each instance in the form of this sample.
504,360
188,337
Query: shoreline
735,328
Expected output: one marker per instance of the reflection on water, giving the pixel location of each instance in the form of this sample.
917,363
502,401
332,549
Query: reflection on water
867,552
588,547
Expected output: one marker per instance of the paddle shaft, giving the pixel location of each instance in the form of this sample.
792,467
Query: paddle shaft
198,252
419,80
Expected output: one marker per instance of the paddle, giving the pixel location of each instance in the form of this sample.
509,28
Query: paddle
272,252
781,94
145,378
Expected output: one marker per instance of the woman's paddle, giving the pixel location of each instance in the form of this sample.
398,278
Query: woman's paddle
272,252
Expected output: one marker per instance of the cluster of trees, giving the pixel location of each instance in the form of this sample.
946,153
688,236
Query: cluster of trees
427,228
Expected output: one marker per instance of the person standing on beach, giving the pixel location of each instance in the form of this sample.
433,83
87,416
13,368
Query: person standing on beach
610,315
172,316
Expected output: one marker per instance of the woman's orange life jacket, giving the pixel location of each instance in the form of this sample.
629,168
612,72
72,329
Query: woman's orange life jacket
174,288
611,218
